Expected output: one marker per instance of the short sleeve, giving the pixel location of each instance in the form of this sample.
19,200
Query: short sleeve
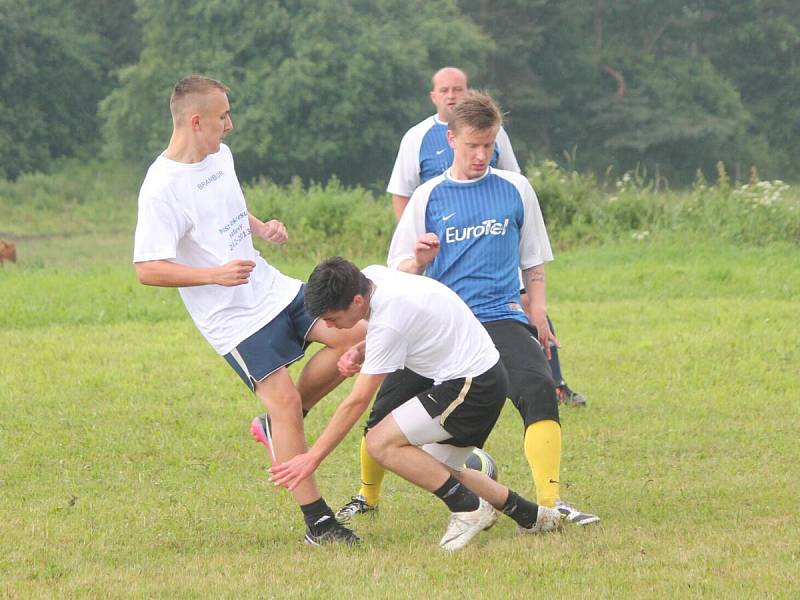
405,174
386,350
411,225
159,228
506,159
534,244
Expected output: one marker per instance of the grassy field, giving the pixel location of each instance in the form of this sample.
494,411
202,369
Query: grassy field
127,469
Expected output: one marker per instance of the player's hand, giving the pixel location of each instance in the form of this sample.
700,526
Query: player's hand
291,473
426,249
538,318
350,362
274,231
235,272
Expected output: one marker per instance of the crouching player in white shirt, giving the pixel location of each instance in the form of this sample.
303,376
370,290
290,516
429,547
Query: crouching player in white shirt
417,323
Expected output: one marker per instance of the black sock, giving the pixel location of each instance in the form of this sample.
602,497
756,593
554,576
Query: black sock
457,496
523,511
317,515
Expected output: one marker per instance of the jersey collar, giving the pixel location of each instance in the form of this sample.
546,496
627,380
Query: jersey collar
449,176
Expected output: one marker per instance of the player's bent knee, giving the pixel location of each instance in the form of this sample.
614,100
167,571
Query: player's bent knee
376,446
284,406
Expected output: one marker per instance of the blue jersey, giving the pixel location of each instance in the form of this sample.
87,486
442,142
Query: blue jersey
488,228
425,153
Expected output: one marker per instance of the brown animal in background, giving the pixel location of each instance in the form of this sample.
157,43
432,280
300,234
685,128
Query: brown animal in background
8,251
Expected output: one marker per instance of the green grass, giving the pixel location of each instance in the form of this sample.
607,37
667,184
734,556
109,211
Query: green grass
127,469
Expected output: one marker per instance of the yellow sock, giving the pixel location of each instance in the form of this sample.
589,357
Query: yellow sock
543,451
371,476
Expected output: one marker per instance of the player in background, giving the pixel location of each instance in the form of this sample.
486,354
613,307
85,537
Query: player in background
194,232
417,322
473,228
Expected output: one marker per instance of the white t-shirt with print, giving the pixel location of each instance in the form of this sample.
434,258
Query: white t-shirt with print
195,214
419,323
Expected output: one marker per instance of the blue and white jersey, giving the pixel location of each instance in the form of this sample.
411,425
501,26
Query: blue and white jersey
488,229
425,153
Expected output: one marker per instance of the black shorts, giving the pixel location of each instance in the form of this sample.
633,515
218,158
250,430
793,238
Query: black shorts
468,408
397,388
531,386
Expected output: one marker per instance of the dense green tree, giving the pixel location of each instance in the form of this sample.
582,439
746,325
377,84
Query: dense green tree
114,22
319,87
756,45
49,76
55,69
672,108
513,74
637,83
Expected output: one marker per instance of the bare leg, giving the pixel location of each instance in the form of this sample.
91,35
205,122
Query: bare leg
282,401
320,374
389,447
487,488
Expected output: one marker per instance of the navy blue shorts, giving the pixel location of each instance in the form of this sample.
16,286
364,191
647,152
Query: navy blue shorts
278,344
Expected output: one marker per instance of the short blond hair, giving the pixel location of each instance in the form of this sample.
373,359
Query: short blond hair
476,110
192,85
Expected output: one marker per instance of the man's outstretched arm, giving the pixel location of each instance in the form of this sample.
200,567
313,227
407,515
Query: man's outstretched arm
298,468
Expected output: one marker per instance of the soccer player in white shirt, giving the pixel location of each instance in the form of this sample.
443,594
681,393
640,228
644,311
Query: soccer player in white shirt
418,323
194,232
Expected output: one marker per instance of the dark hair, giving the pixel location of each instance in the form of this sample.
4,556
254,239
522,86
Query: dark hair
332,286
476,110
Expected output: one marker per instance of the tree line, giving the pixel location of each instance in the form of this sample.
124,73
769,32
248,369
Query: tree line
323,87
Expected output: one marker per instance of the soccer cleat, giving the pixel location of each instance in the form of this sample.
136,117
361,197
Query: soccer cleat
260,428
569,397
547,519
464,526
573,515
328,530
357,506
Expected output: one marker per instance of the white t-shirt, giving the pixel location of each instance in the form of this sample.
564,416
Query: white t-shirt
195,214
425,153
419,323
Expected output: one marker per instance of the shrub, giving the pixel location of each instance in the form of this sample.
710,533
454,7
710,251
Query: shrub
578,210
324,220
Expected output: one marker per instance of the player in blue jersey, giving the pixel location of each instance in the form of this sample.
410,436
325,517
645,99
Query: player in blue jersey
473,228
425,153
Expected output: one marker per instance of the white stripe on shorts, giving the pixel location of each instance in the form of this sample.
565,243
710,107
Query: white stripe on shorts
458,401
240,361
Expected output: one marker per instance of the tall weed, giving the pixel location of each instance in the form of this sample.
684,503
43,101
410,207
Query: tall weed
324,220
81,198
578,209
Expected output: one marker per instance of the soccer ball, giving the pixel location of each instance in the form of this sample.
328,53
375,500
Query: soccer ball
480,460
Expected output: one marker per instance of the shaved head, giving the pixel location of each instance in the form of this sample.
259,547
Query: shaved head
448,72
191,94
448,86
